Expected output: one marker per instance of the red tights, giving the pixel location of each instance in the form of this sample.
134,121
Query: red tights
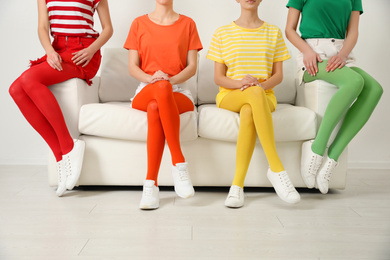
163,107
40,107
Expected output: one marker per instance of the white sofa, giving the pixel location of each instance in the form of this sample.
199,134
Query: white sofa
115,134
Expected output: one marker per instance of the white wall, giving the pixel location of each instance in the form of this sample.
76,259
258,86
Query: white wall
19,144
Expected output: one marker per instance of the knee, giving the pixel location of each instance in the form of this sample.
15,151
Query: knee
16,89
375,89
164,87
153,106
246,115
256,91
153,112
255,95
355,85
26,82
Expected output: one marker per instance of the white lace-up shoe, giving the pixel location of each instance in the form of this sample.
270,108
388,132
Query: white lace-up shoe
283,186
235,198
61,175
324,175
182,181
310,163
73,162
150,196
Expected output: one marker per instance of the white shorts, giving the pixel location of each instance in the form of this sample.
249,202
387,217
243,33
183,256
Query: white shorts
326,48
180,88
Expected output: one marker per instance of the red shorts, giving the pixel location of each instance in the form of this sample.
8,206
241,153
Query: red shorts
65,46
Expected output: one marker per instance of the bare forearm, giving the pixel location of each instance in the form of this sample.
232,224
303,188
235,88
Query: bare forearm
226,82
348,46
291,31
188,71
352,35
45,40
139,74
183,76
297,41
273,81
101,40
107,29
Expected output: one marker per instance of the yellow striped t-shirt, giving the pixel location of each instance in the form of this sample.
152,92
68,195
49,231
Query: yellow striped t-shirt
247,51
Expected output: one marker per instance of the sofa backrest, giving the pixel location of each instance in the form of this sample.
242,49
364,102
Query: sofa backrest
117,85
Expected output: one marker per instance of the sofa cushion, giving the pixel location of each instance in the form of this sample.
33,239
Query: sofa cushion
291,123
116,83
119,121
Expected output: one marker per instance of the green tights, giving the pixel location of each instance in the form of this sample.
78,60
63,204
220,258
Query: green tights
357,96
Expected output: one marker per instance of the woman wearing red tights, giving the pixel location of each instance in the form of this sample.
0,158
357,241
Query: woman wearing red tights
74,53
163,47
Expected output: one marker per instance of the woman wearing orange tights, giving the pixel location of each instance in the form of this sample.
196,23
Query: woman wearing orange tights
163,47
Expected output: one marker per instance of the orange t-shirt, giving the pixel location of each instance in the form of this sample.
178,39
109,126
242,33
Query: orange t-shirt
163,47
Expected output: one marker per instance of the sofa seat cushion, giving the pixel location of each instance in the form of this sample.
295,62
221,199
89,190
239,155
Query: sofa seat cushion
291,123
118,120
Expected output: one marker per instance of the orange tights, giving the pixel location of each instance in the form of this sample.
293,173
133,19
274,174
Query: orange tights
163,107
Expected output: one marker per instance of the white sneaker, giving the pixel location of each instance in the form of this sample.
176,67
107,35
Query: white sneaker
73,162
61,175
150,198
283,186
310,163
324,175
235,198
181,179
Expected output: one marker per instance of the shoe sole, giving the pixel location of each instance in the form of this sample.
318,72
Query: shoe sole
306,182
60,191
233,205
147,207
185,196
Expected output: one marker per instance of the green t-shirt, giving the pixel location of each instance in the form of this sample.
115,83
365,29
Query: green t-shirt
325,18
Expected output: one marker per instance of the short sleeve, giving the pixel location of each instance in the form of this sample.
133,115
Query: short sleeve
297,4
194,43
132,38
281,51
95,3
215,52
357,6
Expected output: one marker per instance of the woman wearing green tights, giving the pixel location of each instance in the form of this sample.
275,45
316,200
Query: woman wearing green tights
325,44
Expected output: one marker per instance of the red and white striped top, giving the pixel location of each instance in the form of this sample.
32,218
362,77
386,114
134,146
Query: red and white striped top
72,17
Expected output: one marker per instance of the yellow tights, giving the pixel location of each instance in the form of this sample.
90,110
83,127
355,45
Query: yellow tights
255,117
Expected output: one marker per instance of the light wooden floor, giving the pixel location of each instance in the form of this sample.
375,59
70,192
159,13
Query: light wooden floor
105,223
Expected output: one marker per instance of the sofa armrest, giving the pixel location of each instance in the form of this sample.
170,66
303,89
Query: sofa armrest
71,96
315,96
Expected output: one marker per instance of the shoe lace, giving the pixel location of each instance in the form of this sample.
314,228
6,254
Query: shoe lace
59,171
183,175
285,180
148,192
329,170
68,165
234,192
314,165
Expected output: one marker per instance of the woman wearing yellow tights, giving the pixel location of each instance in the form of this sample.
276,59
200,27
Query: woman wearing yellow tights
248,55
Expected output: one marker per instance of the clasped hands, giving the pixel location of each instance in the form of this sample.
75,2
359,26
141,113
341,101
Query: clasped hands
159,75
250,81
